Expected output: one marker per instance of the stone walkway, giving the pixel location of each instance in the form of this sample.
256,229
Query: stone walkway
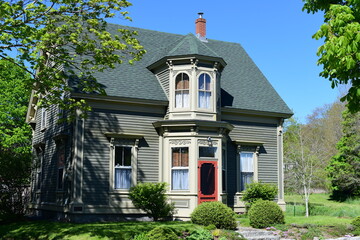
260,234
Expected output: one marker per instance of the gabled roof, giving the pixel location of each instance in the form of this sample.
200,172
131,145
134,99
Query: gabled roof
243,85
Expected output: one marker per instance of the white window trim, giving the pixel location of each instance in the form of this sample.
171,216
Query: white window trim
43,119
174,91
212,107
255,159
134,158
179,168
211,91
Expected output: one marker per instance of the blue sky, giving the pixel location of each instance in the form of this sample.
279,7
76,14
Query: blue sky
276,34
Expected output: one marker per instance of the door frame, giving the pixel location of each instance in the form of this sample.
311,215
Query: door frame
216,191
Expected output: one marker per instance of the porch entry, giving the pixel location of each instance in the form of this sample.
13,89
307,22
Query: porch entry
207,181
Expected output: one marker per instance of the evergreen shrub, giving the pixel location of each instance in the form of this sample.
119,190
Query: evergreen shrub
258,190
215,213
265,213
162,233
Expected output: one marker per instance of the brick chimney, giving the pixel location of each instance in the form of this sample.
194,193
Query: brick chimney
200,25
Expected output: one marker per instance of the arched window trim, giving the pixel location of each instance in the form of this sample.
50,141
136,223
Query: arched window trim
205,91
182,93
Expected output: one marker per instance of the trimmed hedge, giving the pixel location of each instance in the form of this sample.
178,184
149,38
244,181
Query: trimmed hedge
265,213
215,213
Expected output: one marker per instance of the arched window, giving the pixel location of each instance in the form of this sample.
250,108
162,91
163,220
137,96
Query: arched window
182,91
204,91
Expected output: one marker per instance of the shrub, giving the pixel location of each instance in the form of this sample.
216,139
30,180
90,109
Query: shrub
200,234
162,233
258,190
215,213
151,198
265,213
356,222
141,236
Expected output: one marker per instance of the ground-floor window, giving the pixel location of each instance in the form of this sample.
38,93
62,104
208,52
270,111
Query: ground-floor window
180,168
122,167
246,169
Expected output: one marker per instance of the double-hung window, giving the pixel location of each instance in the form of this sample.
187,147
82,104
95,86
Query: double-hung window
122,167
43,121
61,165
246,169
204,91
180,168
182,91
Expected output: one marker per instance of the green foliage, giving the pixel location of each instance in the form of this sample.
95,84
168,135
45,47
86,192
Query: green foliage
141,236
15,140
215,213
151,198
50,35
200,234
340,53
265,214
311,233
258,190
102,230
356,223
210,227
344,168
162,233
227,235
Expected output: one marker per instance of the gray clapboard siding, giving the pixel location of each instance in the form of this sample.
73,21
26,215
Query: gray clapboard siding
266,133
49,167
163,77
97,151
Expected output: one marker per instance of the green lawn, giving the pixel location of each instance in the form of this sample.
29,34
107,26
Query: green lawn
93,231
328,218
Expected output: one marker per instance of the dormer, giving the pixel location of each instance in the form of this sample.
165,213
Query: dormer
190,74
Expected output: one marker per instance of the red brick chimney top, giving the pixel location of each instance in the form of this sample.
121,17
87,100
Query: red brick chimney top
200,26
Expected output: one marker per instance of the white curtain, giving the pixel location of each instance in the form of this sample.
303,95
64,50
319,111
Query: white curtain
181,99
204,99
246,162
122,178
180,179
246,169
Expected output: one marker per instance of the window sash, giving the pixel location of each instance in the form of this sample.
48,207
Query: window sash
247,162
180,178
122,177
122,167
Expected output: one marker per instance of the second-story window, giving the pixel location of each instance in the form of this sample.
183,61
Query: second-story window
182,91
204,91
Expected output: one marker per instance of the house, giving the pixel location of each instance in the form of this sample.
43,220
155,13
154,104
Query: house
195,113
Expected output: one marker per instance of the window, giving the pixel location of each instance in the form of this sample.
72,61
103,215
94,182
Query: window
180,168
61,165
39,162
246,169
182,91
43,121
122,168
204,91
224,162
207,152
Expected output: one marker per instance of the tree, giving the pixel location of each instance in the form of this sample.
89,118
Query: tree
340,53
57,39
15,139
344,168
301,156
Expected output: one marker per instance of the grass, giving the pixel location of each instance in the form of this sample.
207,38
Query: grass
93,231
328,219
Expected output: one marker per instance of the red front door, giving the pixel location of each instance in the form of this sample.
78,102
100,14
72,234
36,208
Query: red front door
207,181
